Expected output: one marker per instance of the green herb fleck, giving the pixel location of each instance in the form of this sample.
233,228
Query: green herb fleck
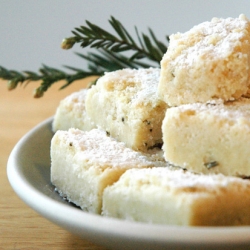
211,164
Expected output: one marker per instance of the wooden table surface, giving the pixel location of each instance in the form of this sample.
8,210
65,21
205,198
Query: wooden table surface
20,226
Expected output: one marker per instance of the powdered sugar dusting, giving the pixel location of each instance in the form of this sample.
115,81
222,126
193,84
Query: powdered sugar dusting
96,148
76,100
180,180
140,83
214,39
239,109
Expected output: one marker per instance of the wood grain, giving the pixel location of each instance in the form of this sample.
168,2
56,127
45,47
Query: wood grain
20,226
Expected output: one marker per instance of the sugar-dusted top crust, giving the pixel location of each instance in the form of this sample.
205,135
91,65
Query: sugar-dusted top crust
179,180
141,84
71,112
100,150
75,100
216,39
236,111
210,61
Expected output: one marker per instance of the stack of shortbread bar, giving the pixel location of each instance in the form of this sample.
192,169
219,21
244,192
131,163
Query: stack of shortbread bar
169,145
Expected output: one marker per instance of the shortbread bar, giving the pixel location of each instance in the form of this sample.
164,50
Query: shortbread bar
83,163
71,113
176,197
126,105
209,138
210,61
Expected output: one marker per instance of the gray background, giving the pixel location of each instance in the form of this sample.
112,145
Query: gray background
31,31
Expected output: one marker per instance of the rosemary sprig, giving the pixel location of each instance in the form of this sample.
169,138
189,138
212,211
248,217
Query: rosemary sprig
46,75
108,56
95,37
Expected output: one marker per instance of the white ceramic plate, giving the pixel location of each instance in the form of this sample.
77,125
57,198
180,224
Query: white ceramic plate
29,175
